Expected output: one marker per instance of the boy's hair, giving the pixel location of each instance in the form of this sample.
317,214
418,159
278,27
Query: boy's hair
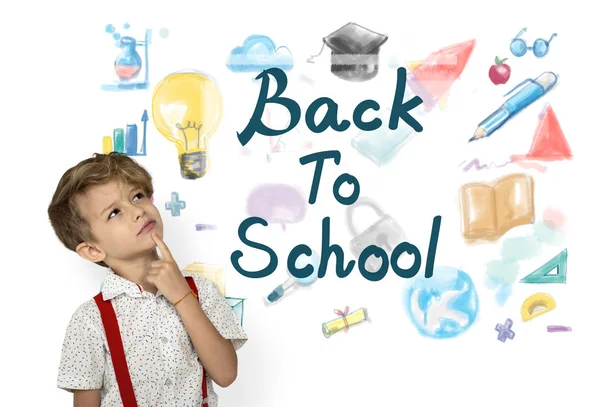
70,226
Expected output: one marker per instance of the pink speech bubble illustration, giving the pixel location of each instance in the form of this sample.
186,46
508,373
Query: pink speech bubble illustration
277,203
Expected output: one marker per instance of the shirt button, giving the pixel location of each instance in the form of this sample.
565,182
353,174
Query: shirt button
168,382
164,339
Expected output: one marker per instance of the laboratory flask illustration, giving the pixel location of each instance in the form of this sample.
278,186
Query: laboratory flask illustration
131,65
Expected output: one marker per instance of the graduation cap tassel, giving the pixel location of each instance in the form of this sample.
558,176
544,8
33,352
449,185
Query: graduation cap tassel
310,59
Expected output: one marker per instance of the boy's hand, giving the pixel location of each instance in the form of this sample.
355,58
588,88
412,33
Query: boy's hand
165,274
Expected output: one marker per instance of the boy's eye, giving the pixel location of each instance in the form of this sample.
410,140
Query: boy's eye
115,212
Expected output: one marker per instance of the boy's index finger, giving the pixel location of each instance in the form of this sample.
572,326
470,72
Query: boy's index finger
164,250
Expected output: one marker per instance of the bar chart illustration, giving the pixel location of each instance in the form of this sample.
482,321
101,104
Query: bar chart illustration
125,140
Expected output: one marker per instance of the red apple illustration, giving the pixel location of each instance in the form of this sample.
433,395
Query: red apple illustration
500,72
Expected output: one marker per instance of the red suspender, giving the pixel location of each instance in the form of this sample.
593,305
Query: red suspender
192,285
115,344
117,353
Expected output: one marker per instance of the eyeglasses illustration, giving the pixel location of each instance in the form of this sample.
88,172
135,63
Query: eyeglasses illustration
519,47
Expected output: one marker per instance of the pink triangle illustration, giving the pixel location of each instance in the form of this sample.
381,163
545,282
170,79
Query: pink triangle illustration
438,72
549,141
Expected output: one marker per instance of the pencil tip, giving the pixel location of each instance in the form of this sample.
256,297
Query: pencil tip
478,134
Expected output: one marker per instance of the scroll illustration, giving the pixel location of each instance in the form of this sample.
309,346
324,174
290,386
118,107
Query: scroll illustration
345,321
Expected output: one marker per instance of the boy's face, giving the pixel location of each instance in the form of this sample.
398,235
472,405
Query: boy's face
117,214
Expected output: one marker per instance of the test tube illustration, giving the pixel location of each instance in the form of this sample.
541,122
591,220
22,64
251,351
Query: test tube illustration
345,321
292,281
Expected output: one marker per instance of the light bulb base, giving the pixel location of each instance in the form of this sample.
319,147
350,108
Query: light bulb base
193,165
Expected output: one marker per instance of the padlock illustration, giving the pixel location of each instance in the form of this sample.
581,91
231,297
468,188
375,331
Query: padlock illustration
385,233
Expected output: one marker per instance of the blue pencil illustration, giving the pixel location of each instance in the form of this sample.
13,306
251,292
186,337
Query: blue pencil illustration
535,89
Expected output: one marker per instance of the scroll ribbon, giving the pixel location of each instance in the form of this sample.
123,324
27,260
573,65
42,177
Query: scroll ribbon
344,314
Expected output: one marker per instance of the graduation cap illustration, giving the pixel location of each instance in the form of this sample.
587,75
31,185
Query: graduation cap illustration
354,52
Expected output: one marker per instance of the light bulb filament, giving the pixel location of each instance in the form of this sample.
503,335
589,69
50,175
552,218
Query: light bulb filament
190,125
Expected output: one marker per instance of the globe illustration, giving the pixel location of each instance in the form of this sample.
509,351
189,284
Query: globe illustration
443,306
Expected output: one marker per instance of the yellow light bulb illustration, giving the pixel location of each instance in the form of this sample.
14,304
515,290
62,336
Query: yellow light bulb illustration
187,109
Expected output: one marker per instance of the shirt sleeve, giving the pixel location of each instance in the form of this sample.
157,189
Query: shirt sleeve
83,354
219,312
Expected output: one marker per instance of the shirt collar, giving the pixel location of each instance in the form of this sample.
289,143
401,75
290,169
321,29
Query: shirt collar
115,285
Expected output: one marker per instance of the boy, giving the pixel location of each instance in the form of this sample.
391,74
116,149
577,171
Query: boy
102,209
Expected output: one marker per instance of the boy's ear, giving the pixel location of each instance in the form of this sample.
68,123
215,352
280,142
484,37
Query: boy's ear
90,252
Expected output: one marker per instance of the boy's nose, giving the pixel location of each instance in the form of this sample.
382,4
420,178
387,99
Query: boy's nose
138,212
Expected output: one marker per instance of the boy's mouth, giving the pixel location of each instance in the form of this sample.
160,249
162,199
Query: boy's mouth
147,226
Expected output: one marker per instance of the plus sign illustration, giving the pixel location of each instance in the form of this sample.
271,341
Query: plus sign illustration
505,331
175,205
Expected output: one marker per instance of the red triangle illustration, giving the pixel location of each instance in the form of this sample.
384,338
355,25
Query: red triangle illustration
442,68
549,141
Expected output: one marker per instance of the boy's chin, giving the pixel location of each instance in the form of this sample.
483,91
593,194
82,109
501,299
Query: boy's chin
149,246
147,236
145,246
157,230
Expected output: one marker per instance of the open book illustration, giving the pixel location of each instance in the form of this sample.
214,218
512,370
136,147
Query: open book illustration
488,211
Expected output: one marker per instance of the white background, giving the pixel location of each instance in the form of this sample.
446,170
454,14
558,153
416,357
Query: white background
56,55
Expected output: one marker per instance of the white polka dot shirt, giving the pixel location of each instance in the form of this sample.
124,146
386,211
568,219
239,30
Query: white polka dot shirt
163,364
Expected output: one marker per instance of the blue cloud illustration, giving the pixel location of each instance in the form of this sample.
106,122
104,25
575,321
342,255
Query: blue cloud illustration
259,53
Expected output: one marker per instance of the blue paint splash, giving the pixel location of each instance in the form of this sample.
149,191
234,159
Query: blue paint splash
502,273
164,32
